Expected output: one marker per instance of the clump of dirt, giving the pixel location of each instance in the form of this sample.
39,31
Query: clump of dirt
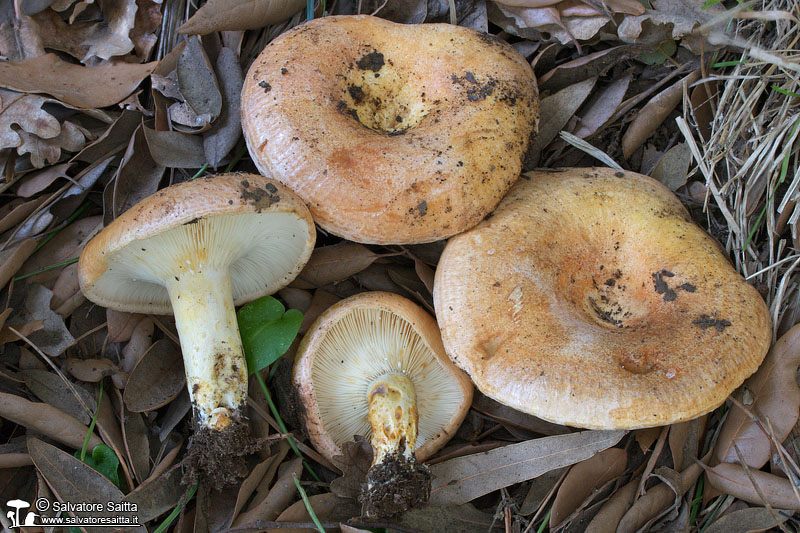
394,486
216,459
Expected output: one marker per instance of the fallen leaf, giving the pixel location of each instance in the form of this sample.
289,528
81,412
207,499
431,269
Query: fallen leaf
227,129
19,213
400,11
703,99
157,379
507,415
583,479
67,295
113,140
776,397
545,23
278,498
121,326
250,483
321,301
463,479
541,487
355,462
23,113
746,521
197,81
12,259
219,15
141,338
588,66
51,389
607,519
65,245
327,507
157,496
732,479
54,337
601,107
74,481
556,110
672,169
45,419
20,38
145,29
462,518
333,263
137,445
672,19
174,149
652,115
684,441
137,177
48,151
90,370
78,86
36,182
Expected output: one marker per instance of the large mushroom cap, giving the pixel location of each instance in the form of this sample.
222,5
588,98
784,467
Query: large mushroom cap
391,133
254,224
361,339
590,299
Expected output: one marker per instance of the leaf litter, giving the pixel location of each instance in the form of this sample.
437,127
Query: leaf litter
719,130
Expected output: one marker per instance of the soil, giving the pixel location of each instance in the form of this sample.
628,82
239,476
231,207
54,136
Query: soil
394,486
216,459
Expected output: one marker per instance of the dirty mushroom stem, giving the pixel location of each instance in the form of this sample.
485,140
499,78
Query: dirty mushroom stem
393,417
216,369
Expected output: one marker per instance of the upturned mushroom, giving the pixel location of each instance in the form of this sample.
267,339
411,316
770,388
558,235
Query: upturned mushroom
589,298
374,365
391,133
196,250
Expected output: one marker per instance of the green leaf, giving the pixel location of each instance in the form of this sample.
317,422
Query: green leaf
267,331
659,54
104,460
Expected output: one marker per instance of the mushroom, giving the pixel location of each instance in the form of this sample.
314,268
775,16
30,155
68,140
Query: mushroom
196,249
589,298
374,365
391,133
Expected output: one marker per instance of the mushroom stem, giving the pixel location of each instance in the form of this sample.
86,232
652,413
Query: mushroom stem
396,481
216,369
393,416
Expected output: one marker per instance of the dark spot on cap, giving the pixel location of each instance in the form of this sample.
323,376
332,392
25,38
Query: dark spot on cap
266,86
422,208
372,61
707,321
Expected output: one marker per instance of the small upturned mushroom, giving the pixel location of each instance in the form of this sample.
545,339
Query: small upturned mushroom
374,365
196,250
391,133
589,298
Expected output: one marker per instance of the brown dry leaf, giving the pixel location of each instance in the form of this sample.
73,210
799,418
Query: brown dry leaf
137,178
74,481
90,370
11,260
6,335
67,295
507,415
583,479
250,483
355,462
20,39
534,23
425,274
746,521
646,437
672,169
299,299
113,140
703,99
78,86
121,326
671,19
463,479
198,83
590,65
141,338
36,182
227,129
23,113
157,379
684,441
652,115
87,40
157,496
400,11
333,263
601,107
218,15
776,397
328,507
556,110
137,445
607,519
64,246
54,337
278,498
48,151
175,149
321,301
732,479
51,389
19,213
659,499
45,419
462,518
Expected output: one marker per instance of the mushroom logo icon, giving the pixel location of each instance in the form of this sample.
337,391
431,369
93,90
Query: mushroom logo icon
13,516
